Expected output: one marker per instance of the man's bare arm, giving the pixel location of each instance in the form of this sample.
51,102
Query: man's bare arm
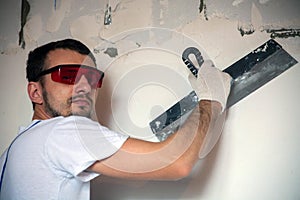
175,157
172,159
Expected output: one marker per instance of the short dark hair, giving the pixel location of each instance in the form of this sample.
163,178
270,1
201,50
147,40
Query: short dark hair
37,57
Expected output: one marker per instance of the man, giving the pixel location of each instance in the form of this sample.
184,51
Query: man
65,147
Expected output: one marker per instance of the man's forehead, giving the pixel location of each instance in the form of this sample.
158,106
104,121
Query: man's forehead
67,56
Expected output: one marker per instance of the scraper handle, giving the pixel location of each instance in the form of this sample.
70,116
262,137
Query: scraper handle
186,59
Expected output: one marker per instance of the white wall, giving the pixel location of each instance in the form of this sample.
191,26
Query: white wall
257,155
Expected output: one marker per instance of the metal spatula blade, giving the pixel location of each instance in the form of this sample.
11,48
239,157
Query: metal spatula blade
249,73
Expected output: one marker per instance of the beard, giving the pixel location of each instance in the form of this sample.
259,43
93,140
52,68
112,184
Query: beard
67,107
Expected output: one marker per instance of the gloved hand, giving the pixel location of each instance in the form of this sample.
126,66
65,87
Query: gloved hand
211,83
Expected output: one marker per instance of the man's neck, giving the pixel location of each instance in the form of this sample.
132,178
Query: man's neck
40,114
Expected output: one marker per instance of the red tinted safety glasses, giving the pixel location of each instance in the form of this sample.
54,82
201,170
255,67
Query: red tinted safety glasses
71,74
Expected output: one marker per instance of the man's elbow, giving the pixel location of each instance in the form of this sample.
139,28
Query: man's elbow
182,171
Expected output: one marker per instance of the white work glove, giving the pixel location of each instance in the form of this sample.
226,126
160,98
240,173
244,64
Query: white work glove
211,83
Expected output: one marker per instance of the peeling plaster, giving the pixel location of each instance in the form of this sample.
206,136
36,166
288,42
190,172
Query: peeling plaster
237,2
33,30
255,24
263,1
203,9
86,28
128,15
171,14
256,18
163,11
245,28
25,9
252,16
280,12
283,33
58,15
219,44
112,52
107,15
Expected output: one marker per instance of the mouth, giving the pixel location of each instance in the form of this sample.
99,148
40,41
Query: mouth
81,101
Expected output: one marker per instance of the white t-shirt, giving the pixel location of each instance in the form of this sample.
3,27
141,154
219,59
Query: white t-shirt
48,161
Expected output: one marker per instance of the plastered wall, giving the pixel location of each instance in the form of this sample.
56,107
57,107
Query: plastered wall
257,156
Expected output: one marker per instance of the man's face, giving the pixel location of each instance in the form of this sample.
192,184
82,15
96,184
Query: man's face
63,99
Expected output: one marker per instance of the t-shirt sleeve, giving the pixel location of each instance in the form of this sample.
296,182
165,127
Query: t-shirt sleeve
75,143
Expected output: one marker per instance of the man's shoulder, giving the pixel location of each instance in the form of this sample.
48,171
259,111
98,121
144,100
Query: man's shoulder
69,119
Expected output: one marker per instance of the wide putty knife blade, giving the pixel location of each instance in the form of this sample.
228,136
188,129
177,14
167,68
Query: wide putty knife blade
249,73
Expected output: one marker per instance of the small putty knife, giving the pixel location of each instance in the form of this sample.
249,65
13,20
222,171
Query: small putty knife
249,73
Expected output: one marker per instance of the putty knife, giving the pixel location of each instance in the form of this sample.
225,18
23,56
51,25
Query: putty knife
249,73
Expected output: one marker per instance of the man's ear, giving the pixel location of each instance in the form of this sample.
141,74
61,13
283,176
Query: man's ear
34,91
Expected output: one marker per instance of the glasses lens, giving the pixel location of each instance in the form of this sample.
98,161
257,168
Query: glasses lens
66,75
70,74
93,76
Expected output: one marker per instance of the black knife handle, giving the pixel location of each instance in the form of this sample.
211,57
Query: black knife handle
186,59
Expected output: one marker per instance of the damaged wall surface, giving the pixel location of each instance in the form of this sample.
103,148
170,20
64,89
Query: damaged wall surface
257,154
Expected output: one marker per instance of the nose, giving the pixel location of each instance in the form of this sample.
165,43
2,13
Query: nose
82,86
